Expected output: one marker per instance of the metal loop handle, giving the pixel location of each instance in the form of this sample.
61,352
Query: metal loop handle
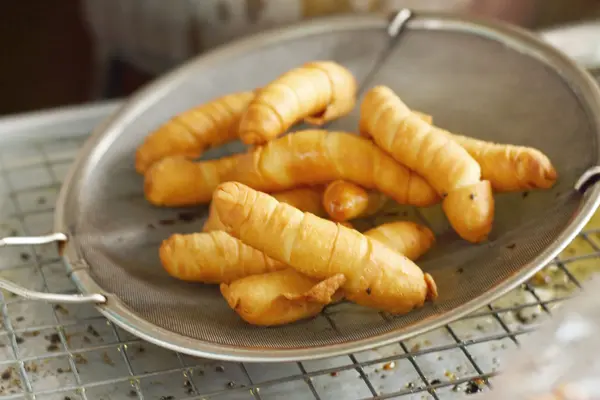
588,179
47,297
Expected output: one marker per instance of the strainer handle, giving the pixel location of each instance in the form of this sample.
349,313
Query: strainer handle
47,297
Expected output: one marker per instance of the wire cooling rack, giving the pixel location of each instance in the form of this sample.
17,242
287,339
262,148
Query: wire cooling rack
72,352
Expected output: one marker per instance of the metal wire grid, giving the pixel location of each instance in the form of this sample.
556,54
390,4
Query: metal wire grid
72,352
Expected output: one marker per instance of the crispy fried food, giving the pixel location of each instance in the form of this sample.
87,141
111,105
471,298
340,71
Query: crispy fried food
317,92
509,168
405,237
178,181
376,276
280,297
190,133
306,199
425,117
344,200
213,257
318,157
217,257
447,166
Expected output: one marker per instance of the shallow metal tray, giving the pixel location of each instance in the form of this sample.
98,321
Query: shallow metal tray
477,78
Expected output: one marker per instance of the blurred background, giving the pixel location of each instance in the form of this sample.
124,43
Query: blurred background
64,52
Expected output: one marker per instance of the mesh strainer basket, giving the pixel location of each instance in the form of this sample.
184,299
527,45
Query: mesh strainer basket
476,78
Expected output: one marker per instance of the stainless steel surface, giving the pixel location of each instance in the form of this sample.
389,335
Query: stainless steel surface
33,240
72,351
481,79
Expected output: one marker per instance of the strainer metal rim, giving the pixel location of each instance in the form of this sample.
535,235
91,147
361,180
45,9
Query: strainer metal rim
117,312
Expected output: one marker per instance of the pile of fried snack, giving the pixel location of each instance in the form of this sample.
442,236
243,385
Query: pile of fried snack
277,238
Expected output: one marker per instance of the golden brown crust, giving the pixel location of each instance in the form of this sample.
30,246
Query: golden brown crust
193,131
307,199
178,181
509,168
317,92
376,276
445,164
470,210
405,237
344,201
319,157
213,257
280,297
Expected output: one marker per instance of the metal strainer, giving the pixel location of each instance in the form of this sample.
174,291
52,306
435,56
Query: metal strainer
476,78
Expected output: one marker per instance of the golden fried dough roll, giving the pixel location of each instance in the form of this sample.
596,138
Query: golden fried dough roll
213,223
213,257
319,157
405,237
217,257
193,131
344,200
317,92
507,167
280,297
446,165
178,181
376,276
305,199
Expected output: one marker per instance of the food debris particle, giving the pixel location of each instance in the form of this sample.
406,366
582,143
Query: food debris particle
474,386
67,398
24,257
415,348
19,339
231,384
106,359
450,375
460,270
167,398
92,331
54,338
435,382
32,367
369,291
220,368
389,366
456,388
132,393
471,196
20,319
61,309
79,359
187,216
511,246
410,385
7,374
87,339
52,347
334,374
